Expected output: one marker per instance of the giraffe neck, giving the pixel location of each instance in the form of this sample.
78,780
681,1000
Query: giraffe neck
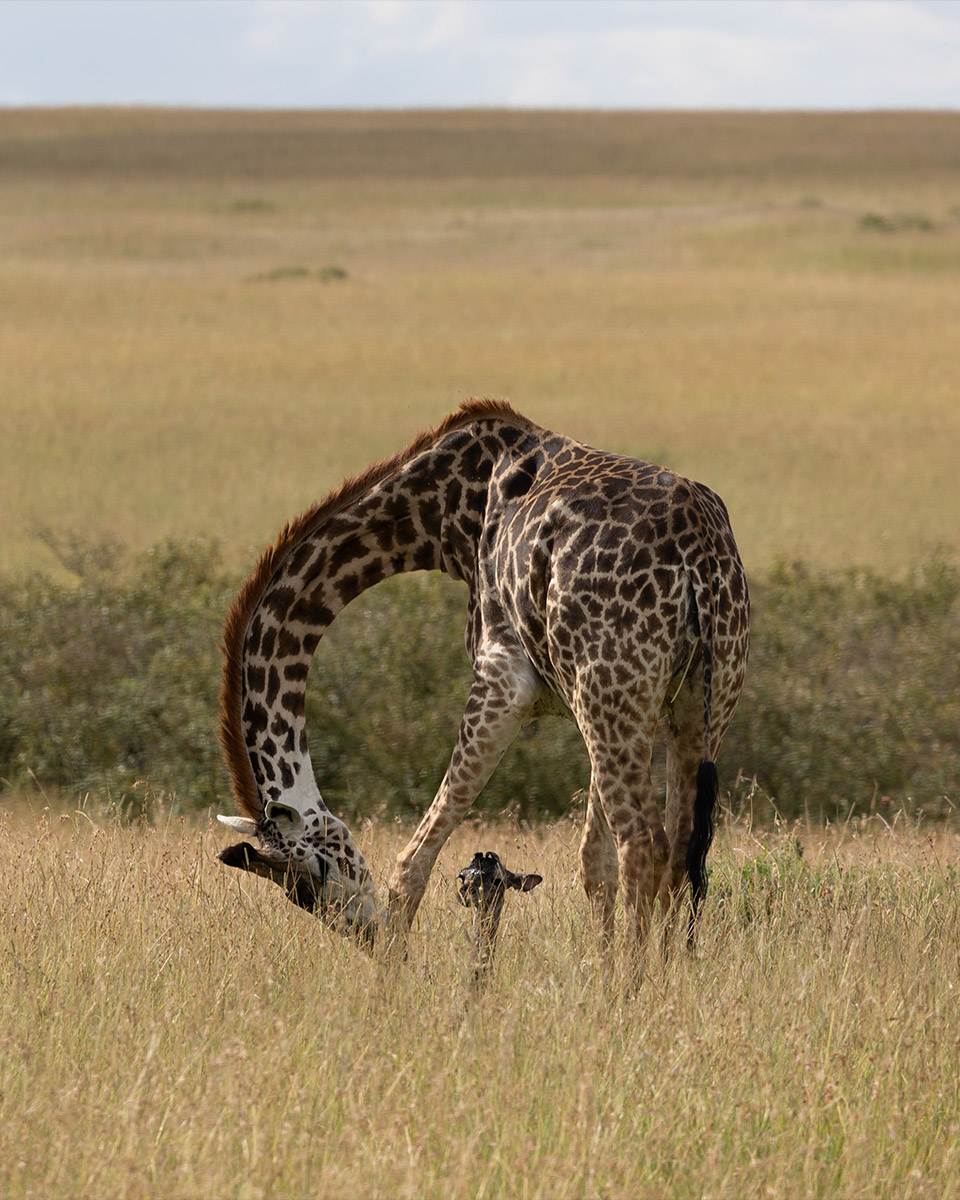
422,510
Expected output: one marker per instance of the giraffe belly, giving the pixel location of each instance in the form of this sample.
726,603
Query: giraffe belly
549,704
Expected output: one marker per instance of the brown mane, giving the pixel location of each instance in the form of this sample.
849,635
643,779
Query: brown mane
232,741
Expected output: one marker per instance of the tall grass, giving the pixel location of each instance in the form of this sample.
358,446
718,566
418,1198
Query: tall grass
174,1029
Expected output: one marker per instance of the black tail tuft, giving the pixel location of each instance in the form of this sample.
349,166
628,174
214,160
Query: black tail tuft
708,790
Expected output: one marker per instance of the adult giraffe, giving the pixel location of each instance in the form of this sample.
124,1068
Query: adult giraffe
599,587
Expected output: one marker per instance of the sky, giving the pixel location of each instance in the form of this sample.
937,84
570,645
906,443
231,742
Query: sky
795,54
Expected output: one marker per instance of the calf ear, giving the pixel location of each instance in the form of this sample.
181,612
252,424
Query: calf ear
529,882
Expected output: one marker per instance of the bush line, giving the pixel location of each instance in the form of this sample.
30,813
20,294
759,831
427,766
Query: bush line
109,686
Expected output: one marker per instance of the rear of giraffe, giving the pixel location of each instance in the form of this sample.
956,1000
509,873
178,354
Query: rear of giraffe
625,587
594,568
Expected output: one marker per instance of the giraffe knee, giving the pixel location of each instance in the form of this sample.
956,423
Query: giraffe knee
673,881
599,877
660,851
407,885
598,869
649,847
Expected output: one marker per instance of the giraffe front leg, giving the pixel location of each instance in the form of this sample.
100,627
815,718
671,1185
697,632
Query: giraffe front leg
501,696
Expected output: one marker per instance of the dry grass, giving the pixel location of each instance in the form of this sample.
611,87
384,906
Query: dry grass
696,288
174,1029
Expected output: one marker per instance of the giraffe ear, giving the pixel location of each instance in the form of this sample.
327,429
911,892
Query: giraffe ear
529,882
240,824
284,812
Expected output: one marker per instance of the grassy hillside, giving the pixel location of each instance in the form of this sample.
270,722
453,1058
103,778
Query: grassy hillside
210,318
907,149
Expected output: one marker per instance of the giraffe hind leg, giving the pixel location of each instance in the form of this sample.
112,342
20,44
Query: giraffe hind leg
692,788
621,776
598,865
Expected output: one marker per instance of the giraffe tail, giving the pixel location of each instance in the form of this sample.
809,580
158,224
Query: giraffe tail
708,790
701,569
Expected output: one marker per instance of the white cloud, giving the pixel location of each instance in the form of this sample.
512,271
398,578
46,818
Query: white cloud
386,12
796,54
695,68
541,75
877,19
369,53
278,27
671,67
451,23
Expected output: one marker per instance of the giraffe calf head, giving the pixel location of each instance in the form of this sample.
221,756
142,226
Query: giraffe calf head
485,880
482,886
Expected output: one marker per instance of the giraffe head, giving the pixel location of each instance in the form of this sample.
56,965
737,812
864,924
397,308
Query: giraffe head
484,881
313,857
482,886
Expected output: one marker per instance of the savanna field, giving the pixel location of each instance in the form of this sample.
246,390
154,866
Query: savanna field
208,320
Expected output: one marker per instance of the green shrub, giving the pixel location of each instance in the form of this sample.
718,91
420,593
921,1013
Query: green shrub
852,697
278,274
385,699
895,222
109,680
